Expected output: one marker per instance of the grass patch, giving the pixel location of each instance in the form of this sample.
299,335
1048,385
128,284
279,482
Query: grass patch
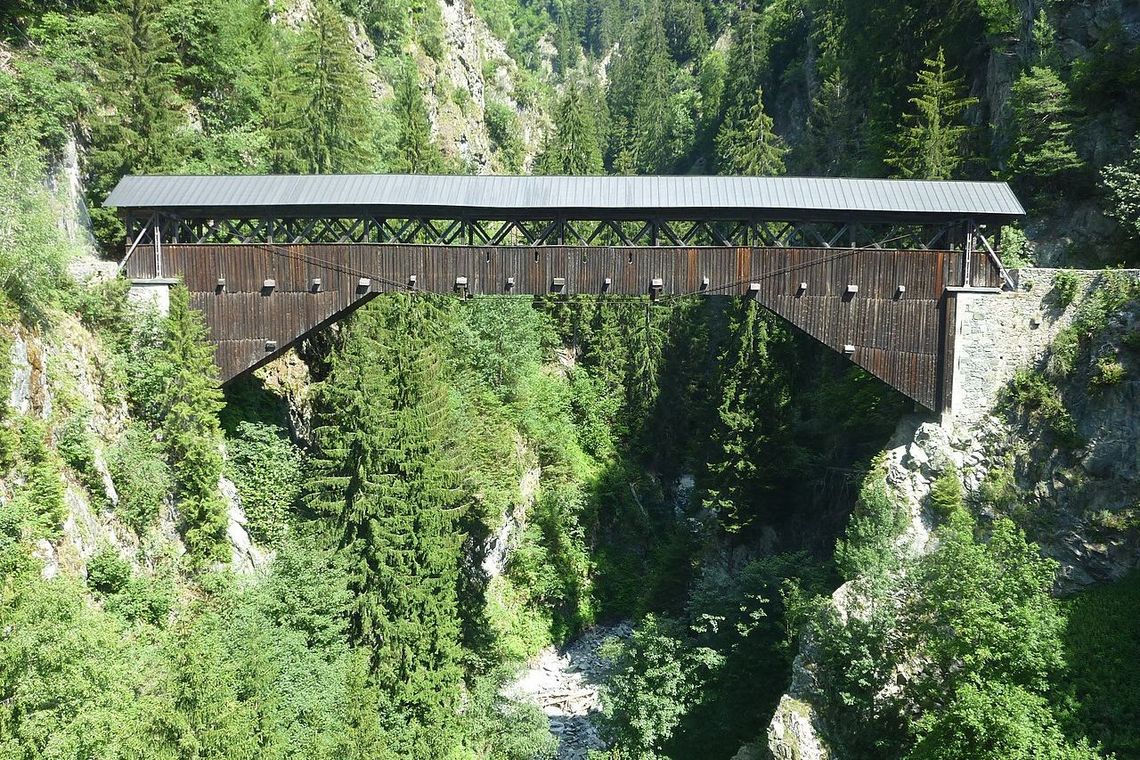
1101,641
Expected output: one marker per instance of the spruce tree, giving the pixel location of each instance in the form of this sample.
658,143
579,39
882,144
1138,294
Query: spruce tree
930,139
832,143
573,147
282,125
1042,150
190,402
641,138
334,111
385,473
416,153
138,131
751,148
752,450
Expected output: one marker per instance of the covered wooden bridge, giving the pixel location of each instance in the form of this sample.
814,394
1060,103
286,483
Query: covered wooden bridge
868,267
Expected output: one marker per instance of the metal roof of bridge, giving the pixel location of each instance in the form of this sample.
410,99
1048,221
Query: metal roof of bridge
529,196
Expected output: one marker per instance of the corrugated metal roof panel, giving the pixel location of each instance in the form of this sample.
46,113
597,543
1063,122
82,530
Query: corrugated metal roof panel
534,194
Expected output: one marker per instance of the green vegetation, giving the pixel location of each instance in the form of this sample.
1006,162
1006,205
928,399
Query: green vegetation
685,465
1100,701
946,497
984,638
572,148
387,479
1066,283
930,138
266,468
190,403
1032,393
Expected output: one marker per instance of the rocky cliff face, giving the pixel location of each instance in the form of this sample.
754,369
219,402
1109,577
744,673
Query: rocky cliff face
476,70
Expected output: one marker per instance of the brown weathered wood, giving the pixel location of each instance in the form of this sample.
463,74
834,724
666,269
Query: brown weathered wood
902,340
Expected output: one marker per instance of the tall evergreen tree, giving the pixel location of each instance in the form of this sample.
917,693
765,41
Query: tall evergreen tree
1042,150
685,29
930,139
832,143
573,147
282,122
752,147
639,100
335,113
416,153
138,131
190,403
752,452
385,473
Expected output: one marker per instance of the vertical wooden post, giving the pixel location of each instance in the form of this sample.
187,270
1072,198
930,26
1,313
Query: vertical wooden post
157,247
946,347
969,253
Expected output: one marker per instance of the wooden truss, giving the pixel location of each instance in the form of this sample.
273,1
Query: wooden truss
164,228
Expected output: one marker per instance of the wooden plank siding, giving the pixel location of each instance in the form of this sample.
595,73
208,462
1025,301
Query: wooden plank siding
900,338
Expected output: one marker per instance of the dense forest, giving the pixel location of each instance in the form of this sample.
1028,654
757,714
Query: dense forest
438,489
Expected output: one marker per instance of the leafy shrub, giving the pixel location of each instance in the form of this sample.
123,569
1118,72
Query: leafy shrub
999,491
77,447
41,493
503,129
266,468
520,630
1120,521
946,494
143,598
1131,340
1099,688
657,678
1108,371
1112,291
33,249
868,545
146,368
141,475
500,729
1033,394
104,305
1065,286
1015,252
107,572
552,564
1064,352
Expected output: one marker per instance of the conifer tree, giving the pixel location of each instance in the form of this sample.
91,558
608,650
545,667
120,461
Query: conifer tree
566,44
752,450
190,402
930,139
685,29
751,148
1043,144
573,147
386,475
138,131
639,100
644,340
334,111
416,153
833,134
282,120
